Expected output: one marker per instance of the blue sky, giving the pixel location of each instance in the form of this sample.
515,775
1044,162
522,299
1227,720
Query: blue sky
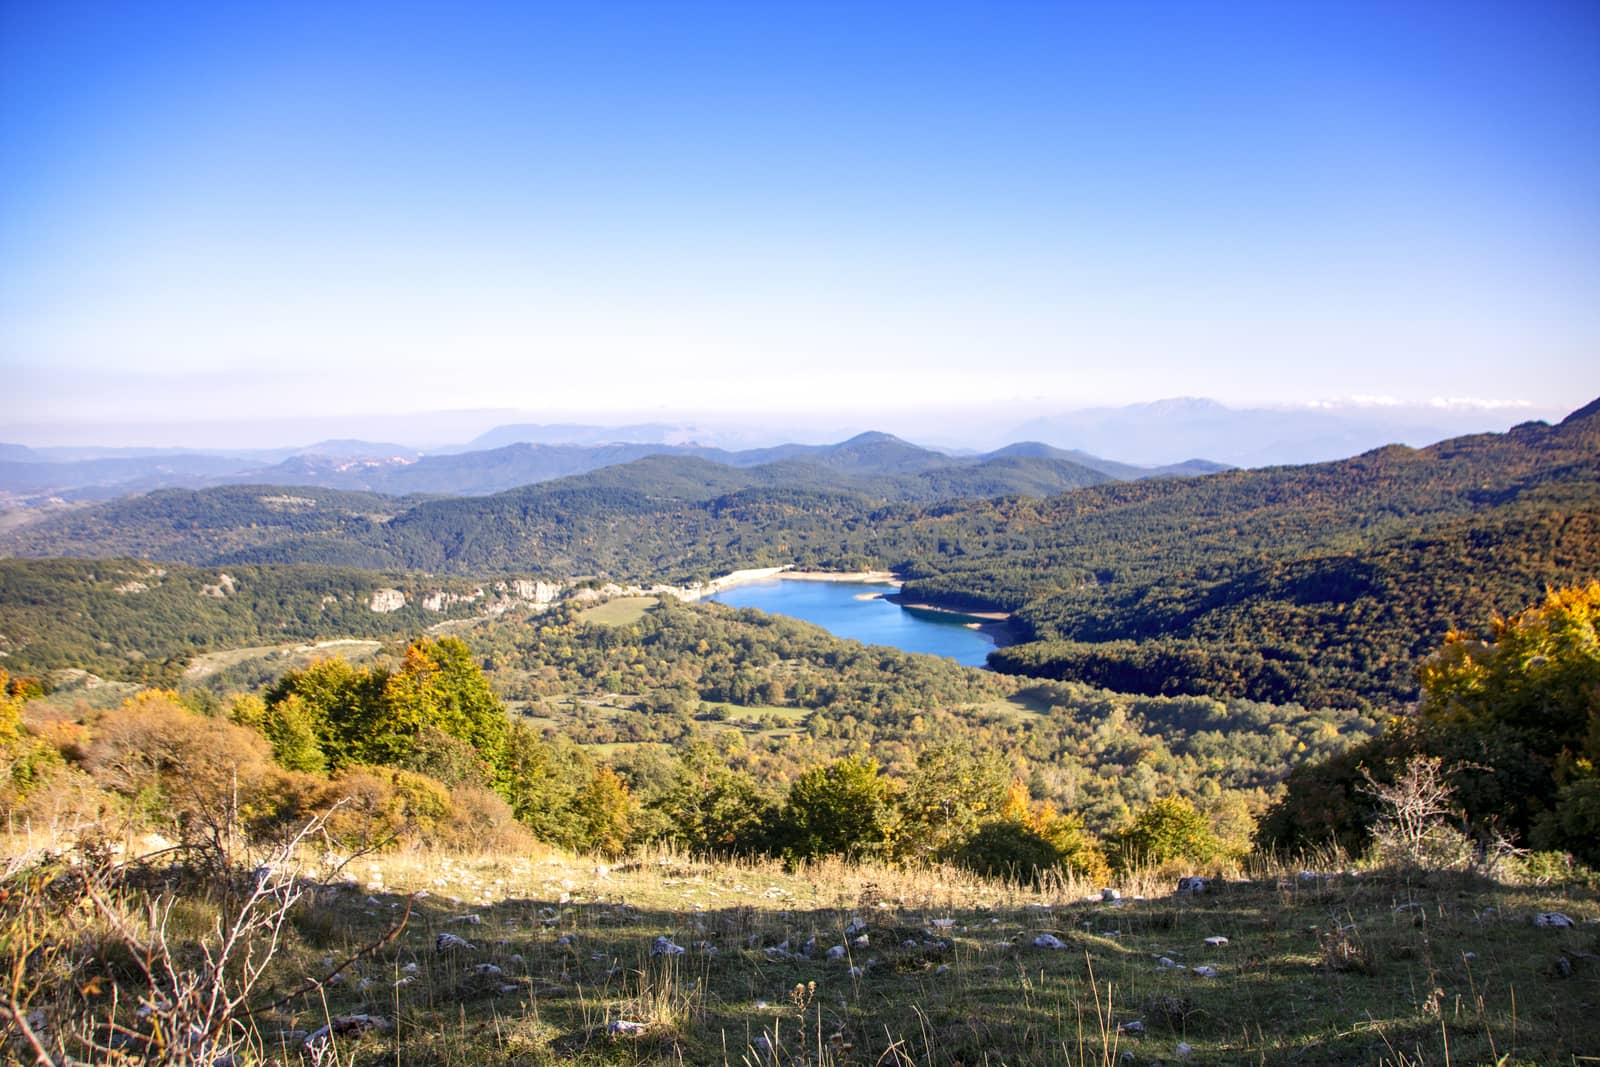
315,209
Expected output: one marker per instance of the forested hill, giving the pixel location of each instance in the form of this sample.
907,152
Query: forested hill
878,464
1317,583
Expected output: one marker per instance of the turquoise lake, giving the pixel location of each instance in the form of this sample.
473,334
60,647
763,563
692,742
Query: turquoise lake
856,610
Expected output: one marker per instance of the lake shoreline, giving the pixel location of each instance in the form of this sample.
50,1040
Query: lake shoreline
862,577
996,625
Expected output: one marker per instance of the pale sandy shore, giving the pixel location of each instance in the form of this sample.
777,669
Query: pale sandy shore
875,577
983,616
995,624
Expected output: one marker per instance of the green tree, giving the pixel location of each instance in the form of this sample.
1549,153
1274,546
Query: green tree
376,716
712,808
839,808
1539,672
23,760
544,778
951,792
1169,830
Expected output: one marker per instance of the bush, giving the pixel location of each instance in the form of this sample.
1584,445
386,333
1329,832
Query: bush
1574,823
1169,830
1415,816
1008,850
378,806
178,767
840,808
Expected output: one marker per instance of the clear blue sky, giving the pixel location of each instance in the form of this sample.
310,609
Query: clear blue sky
286,208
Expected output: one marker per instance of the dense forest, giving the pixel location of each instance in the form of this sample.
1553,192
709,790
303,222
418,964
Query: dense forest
735,731
124,619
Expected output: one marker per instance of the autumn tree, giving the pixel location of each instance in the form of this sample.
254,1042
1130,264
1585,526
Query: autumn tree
950,793
605,810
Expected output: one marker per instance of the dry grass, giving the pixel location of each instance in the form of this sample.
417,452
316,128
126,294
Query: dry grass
1341,969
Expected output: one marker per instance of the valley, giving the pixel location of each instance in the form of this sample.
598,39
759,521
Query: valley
1193,674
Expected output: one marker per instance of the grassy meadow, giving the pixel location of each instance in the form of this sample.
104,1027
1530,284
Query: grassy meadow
569,959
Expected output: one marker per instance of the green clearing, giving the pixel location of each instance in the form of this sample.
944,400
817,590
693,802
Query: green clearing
1019,707
284,657
619,611
746,712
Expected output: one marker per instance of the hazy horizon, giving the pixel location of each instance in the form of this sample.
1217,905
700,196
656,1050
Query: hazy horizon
950,428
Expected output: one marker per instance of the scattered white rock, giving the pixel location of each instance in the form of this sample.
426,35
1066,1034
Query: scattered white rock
856,972
1216,942
1410,905
663,946
942,924
1193,885
565,941
855,928
859,942
319,1042
1206,972
410,968
1552,918
489,970
625,1027
836,952
452,943
1135,1026
1050,941
943,968
1184,1049
468,920
505,989
1168,964
1109,895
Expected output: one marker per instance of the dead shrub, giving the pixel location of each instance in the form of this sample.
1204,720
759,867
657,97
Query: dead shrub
177,766
1342,949
371,807
480,820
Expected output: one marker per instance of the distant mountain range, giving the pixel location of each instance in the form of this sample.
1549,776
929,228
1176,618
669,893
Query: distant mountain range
875,464
1143,438
1249,437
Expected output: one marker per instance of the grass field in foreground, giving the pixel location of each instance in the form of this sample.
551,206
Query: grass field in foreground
1320,970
